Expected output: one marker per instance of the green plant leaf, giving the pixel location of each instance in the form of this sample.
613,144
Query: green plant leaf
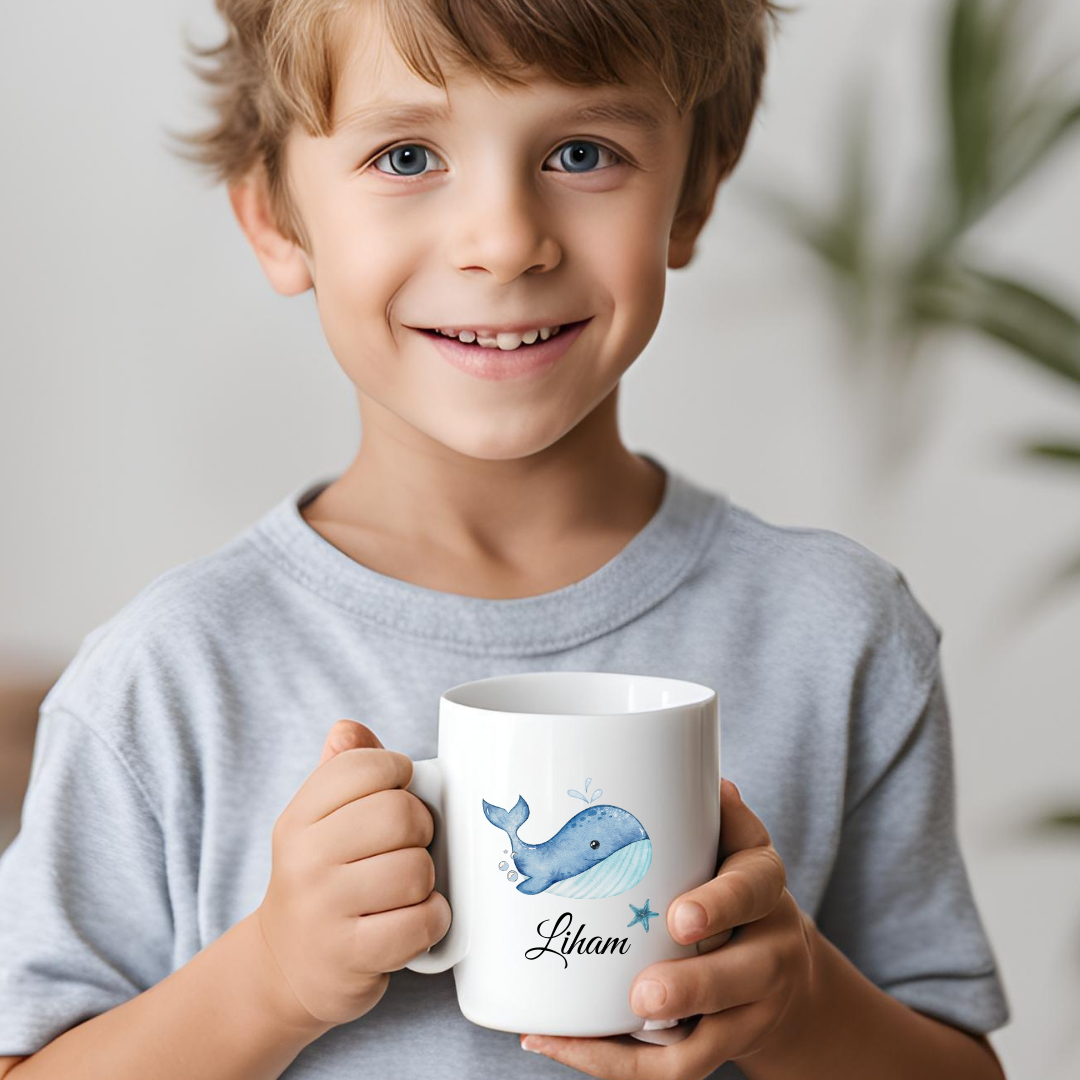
1067,453
829,239
854,211
1066,574
1057,819
1037,131
819,232
840,236
962,45
1039,328
976,46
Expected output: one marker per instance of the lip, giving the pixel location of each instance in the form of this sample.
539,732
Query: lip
510,328
493,363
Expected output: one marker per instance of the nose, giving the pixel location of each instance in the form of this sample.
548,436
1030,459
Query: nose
505,230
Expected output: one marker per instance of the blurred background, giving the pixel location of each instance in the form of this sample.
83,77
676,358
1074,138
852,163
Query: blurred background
878,336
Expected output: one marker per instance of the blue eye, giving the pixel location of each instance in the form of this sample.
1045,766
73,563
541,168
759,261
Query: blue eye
579,156
583,153
408,157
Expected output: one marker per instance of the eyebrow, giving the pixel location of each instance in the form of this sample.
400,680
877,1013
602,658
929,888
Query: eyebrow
389,113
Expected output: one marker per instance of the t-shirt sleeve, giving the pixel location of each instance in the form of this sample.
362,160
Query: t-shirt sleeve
899,902
85,918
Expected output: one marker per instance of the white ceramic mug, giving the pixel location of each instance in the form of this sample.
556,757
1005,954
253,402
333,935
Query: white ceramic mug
570,808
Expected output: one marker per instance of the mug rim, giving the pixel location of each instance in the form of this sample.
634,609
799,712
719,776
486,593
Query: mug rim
455,695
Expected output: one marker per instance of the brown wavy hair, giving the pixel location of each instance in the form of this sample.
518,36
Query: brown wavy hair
279,64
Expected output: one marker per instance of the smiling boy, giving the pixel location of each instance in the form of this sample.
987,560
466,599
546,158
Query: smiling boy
485,198
490,228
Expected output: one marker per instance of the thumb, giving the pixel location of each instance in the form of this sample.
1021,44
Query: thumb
740,827
348,735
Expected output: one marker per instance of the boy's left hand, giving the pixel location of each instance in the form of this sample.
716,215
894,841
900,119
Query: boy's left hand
749,994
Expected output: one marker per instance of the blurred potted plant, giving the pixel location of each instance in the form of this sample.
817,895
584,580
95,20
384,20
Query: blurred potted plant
999,130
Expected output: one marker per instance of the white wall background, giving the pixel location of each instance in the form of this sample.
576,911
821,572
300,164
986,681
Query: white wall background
157,396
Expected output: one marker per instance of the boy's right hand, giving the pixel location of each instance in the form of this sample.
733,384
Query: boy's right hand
351,887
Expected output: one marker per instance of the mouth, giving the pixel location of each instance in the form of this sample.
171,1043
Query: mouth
502,341
508,356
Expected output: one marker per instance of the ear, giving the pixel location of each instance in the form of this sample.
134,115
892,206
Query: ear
684,234
686,227
285,264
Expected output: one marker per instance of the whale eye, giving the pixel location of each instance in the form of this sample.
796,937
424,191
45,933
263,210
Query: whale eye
594,844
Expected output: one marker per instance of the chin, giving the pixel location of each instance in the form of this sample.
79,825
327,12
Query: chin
499,442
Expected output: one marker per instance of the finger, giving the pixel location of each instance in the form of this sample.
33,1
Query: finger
748,886
740,827
392,879
378,822
714,1040
348,775
347,735
743,972
388,940
613,1057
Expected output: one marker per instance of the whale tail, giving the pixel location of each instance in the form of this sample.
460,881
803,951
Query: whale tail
509,821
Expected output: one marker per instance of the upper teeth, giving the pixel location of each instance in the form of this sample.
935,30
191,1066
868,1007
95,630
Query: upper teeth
504,341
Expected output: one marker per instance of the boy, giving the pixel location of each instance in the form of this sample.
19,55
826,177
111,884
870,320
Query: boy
190,896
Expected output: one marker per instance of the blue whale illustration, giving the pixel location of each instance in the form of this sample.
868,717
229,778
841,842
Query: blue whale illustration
601,851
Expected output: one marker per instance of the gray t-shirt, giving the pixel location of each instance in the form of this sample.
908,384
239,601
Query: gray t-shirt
187,722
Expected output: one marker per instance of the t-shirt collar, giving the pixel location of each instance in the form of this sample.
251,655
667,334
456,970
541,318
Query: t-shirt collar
647,569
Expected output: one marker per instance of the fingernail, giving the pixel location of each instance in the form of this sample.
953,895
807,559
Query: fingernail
690,918
530,1044
649,995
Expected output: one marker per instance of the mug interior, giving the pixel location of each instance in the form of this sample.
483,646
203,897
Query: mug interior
577,692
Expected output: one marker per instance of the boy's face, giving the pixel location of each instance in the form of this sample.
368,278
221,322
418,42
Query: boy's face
508,211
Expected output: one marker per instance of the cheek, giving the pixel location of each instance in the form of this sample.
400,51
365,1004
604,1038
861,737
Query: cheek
360,269
628,262
638,290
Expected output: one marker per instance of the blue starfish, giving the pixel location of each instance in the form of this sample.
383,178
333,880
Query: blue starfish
643,915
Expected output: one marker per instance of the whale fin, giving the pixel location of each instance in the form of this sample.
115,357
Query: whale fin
535,885
508,821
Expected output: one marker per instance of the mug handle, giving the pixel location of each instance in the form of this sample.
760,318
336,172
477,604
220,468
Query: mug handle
426,784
